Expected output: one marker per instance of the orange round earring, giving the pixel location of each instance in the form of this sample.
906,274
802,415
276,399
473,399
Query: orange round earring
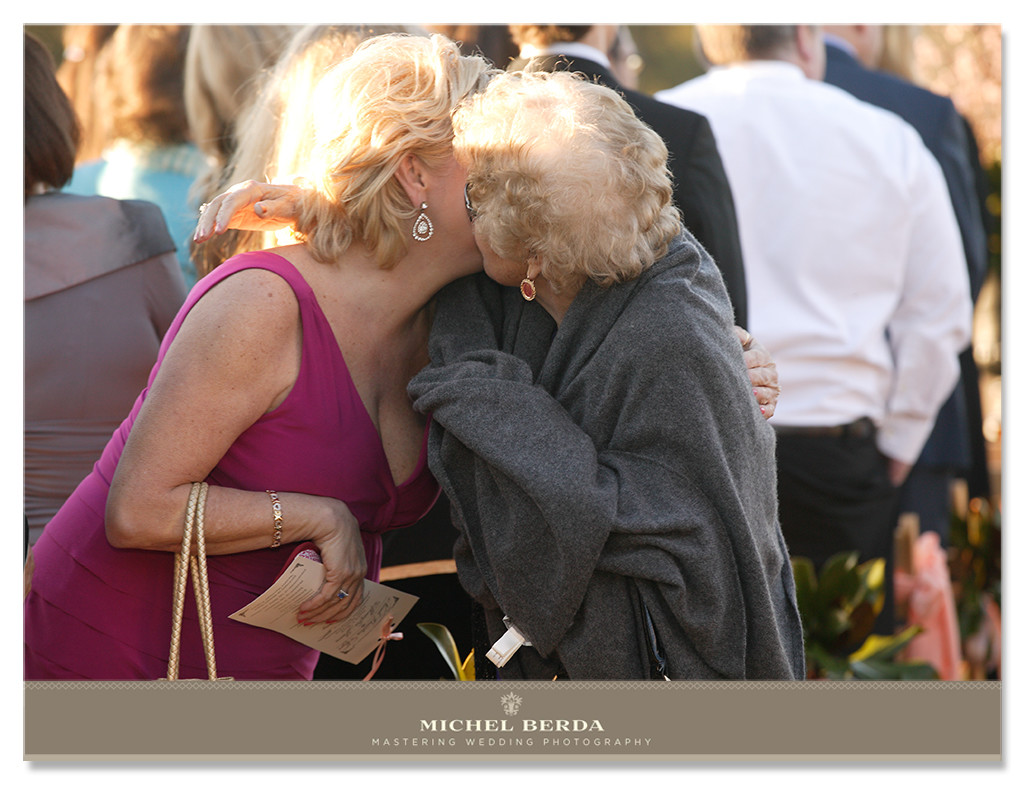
528,289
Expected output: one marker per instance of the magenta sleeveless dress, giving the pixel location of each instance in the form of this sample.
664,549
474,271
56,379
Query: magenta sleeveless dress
100,613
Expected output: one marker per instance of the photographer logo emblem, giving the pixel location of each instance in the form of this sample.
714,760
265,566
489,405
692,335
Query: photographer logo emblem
511,703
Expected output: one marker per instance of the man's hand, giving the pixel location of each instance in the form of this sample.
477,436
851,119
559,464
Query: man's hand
898,471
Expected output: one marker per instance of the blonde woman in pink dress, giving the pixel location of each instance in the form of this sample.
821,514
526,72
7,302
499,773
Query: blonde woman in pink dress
285,371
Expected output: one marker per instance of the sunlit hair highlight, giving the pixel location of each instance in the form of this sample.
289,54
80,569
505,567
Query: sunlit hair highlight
393,97
273,142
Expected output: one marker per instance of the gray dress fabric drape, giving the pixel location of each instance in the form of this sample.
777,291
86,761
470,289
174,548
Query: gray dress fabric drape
617,462
102,285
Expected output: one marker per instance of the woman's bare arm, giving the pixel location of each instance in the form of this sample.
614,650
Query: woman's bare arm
235,358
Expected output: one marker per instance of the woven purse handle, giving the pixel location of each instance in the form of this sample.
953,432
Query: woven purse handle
200,585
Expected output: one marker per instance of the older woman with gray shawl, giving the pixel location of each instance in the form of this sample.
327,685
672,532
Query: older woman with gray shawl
610,474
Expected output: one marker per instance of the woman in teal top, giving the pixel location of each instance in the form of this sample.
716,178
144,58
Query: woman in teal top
148,154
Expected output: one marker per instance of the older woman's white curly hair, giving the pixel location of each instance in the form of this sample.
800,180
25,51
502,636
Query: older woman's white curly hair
562,168
394,96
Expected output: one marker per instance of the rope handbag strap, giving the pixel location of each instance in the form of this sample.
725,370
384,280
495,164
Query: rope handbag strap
183,560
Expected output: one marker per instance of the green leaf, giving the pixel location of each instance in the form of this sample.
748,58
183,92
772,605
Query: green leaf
874,669
873,578
822,663
862,622
806,587
834,623
874,573
838,578
885,646
442,638
918,670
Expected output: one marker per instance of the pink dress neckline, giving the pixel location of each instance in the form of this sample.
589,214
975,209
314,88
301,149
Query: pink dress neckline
421,462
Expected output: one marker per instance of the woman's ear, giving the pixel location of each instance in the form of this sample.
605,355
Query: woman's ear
410,175
534,265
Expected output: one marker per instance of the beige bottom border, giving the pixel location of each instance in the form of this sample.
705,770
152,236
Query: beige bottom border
416,722
995,761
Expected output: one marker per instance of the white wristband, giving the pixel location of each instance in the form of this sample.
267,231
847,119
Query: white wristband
507,646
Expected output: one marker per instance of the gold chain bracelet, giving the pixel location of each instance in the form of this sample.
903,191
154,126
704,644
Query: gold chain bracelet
278,519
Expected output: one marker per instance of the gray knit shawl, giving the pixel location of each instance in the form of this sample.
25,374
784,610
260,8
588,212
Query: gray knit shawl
620,458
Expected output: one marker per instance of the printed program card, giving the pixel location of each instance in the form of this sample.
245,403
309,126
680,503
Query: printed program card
352,639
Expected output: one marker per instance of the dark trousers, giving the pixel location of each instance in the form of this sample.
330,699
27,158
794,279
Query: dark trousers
926,492
835,496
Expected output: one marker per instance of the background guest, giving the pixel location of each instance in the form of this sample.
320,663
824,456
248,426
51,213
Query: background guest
491,41
101,287
148,153
76,75
853,54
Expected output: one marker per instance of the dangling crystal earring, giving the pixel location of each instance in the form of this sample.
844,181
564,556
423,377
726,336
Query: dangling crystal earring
422,230
528,289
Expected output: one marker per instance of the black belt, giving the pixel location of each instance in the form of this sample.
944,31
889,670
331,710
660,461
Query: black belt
859,429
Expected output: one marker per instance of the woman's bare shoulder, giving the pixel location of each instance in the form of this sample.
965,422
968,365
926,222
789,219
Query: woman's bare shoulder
247,294
253,311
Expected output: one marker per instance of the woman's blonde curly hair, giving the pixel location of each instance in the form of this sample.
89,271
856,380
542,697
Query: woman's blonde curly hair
394,96
561,168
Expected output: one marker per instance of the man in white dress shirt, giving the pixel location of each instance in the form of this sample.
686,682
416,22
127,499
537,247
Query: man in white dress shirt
856,279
